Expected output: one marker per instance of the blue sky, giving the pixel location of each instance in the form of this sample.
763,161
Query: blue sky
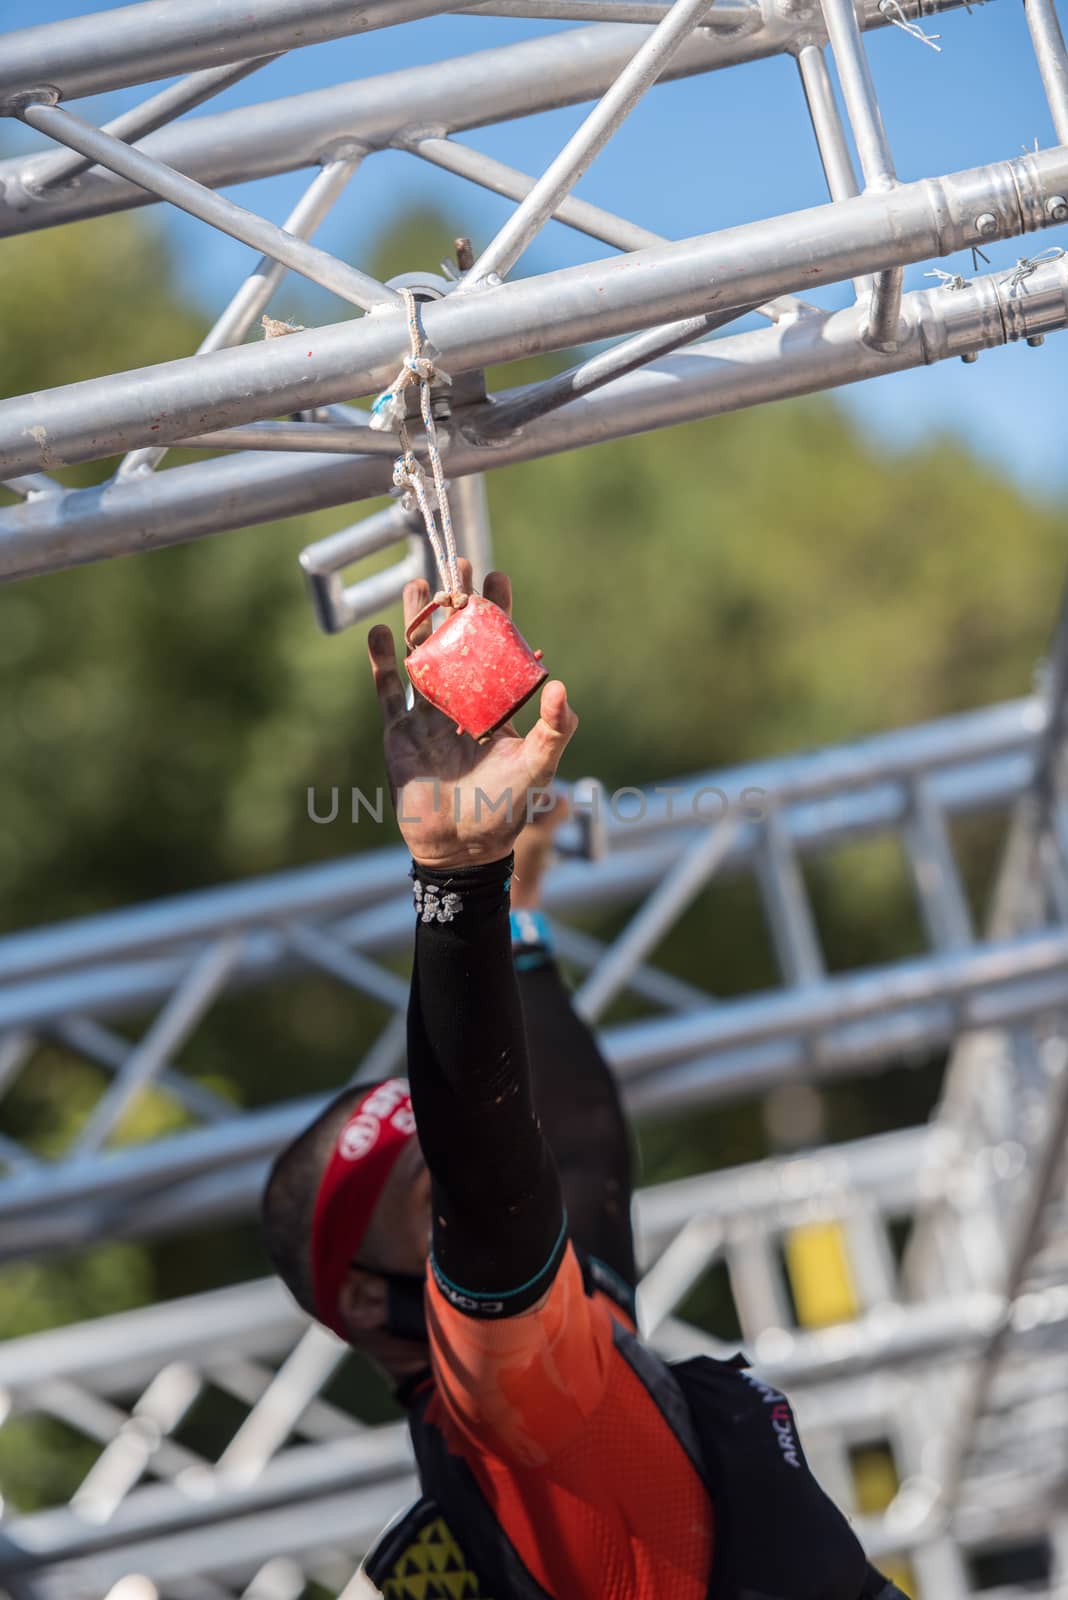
695,156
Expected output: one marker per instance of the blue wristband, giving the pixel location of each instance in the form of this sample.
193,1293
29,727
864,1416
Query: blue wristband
531,939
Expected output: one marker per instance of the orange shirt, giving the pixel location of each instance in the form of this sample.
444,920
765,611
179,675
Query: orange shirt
591,1486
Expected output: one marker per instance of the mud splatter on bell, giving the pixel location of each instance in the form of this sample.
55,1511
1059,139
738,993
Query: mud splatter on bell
477,668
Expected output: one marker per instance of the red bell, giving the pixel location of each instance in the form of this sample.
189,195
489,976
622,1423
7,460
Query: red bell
477,667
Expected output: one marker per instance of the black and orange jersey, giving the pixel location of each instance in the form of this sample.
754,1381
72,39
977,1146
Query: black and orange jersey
570,1451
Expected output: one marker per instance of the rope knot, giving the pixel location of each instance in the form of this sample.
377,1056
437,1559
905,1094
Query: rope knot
389,413
1027,265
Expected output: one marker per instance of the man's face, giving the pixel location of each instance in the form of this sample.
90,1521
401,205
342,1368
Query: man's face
396,1243
398,1239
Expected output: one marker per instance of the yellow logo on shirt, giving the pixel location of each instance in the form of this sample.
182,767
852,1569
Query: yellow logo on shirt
433,1567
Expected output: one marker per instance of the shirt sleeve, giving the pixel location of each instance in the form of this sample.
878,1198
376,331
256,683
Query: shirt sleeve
498,1228
525,1386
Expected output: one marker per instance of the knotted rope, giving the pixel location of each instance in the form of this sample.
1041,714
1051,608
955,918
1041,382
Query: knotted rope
390,411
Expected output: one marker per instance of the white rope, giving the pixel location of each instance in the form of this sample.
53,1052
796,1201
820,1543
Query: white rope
389,411
1028,265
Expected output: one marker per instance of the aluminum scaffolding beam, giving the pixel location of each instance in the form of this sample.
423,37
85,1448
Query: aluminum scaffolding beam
134,44
374,113
799,355
735,267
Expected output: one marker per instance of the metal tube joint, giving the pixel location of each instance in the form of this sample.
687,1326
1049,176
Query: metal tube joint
43,94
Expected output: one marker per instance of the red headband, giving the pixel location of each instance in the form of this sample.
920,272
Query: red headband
372,1138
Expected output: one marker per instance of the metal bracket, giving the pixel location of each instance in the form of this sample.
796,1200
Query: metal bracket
338,607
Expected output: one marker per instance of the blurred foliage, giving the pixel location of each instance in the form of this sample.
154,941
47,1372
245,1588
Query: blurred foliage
757,583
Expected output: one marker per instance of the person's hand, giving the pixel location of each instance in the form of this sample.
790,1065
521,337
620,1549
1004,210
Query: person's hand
460,803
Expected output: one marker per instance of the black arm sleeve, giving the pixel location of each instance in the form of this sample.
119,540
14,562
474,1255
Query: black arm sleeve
581,1115
498,1221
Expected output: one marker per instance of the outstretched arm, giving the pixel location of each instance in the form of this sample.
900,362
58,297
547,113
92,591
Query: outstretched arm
498,1225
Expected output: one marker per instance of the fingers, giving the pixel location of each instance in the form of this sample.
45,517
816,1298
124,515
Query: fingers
467,580
388,686
416,596
498,588
550,735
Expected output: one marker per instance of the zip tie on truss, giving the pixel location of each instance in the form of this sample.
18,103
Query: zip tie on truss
948,280
1029,264
388,412
892,11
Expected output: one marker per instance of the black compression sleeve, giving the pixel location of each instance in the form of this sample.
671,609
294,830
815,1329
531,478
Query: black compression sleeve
582,1118
498,1226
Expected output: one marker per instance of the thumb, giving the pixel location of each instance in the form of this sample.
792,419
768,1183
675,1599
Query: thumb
550,735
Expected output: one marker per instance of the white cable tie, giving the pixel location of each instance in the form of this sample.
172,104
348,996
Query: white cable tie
948,280
892,11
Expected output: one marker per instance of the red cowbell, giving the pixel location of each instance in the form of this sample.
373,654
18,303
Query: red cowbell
477,667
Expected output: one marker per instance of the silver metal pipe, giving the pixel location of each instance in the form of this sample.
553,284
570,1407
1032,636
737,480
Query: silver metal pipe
1052,58
562,174
1031,1225
133,44
820,351
884,314
829,132
604,368
665,906
46,171
175,923
494,175
183,1010
585,218
858,92
975,744
33,483
301,1476
308,437
99,1044
826,123
726,1073
842,1000
251,1136
255,293
301,130
873,148
474,535
337,605
307,259
608,11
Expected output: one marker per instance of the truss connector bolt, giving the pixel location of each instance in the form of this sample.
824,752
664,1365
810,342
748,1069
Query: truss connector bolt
986,225
1057,208
969,356
1036,339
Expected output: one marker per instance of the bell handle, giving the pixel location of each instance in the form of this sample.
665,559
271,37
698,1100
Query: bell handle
418,620
456,601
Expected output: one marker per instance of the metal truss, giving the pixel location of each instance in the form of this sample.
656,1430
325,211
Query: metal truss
950,1358
72,984
226,395
302,1487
